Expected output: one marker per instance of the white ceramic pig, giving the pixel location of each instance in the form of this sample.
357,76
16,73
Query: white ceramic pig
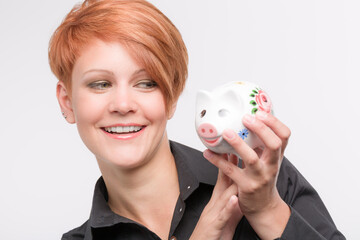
224,108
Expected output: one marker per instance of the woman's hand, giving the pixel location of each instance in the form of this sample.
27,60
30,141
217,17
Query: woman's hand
222,213
258,197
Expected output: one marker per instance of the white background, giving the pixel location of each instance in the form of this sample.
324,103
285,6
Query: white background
306,54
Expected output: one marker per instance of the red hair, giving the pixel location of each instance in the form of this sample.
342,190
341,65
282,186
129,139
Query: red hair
147,33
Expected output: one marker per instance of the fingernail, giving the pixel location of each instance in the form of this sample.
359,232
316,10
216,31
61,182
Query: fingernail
208,154
249,119
261,115
233,199
229,134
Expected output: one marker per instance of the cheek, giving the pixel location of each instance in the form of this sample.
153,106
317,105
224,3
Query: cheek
87,109
154,107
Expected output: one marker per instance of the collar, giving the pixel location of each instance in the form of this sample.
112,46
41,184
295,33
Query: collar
192,168
192,161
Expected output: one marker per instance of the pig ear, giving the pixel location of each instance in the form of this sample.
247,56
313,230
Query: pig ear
232,99
203,98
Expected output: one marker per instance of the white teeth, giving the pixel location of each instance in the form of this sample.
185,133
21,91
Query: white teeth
119,129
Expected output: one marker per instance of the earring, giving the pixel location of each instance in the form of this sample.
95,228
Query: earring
63,113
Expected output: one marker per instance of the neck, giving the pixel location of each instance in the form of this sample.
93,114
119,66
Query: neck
146,194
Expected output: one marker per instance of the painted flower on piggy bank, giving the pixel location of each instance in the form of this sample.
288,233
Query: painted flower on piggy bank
224,108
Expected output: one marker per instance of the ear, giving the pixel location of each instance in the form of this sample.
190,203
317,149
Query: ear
64,99
172,111
231,95
231,98
203,98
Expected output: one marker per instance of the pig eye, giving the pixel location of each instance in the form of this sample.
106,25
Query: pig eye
202,114
223,112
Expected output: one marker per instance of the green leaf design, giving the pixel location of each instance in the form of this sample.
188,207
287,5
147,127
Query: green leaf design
254,110
252,102
252,95
254,91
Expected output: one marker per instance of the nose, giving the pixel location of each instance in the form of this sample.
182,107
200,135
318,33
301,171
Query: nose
207,130
122,101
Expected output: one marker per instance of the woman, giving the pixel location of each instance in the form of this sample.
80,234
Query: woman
121,67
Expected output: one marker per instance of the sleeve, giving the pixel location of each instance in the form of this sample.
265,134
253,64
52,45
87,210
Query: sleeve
309,217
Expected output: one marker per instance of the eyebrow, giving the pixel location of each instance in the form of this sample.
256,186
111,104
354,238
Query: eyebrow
142,70
98,70
111,73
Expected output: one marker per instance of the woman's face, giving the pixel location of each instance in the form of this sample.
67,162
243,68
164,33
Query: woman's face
119,110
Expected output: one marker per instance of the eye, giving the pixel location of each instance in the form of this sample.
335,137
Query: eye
146,84
100,85
202,114
223,112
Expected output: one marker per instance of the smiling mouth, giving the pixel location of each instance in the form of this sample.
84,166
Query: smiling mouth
123,129
212,141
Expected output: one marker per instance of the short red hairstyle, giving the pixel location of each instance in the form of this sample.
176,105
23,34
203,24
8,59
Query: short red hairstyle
147,33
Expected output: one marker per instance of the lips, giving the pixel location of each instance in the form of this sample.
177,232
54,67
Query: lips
212,141
124,131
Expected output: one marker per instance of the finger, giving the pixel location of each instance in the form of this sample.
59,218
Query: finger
233,159
232,223
259,151
228,168
220,203
236,161
222,183
227,181
227,211
272,142
280,129
247,154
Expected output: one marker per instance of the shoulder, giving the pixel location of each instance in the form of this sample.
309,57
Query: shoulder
77,233
179,149
194,159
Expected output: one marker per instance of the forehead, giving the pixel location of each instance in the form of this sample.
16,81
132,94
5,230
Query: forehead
109,56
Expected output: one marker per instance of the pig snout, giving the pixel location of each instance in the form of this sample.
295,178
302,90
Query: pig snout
207,130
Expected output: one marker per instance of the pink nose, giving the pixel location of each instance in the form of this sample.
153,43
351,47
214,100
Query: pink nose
207,130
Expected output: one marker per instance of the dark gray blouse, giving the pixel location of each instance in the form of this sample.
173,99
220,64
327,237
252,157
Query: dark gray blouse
309,217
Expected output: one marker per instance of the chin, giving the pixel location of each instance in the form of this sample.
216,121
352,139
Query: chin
129,159
125,158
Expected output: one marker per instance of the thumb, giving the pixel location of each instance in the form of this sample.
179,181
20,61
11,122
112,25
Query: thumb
227,211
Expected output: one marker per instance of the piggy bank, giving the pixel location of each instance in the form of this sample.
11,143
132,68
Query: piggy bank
223,108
